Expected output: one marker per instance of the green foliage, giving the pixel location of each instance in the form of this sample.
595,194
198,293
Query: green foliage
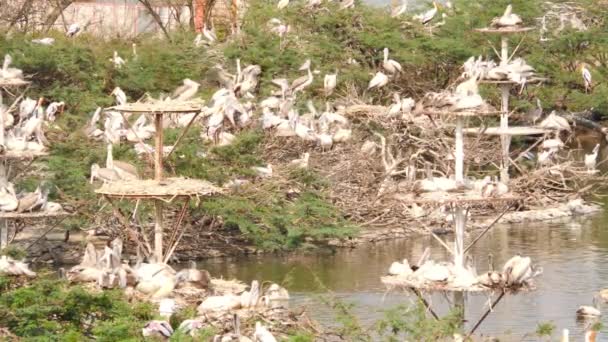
414,323
545,329
14,252
48,309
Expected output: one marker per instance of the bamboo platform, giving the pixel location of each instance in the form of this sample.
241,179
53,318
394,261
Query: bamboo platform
504,30
168,188
533,80
13,215
455,198
406,283
13,82
8,154
512,130
173,107
464,113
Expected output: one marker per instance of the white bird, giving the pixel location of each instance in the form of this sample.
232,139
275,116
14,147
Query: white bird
104,174
192,326
342,135
399,10
52,109
160,329
119,95
262,334
209,34
591,159
400,268
391,66
586,77
508,19
117,60
186,91
302,162
586,311
379,80
427,16
329,83
282,4
554,121
15,268
263,172
73,30
27,107
44,41
346,4
300,83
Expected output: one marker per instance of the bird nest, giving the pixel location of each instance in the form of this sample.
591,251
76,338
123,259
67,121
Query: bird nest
177,107
514,130
441,198
167,188
464,113
531,80
504,30
397,282
13,82
12,215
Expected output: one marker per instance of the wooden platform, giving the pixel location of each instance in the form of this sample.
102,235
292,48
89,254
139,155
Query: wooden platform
8,154
166,189
464,113
13,215
504,30
13,82
464,198
512,130
160,107
405,283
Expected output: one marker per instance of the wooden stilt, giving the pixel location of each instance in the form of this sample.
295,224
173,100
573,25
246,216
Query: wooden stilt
3,234
459,168
158,158
505,139
459,225
158,230
459,304
158,176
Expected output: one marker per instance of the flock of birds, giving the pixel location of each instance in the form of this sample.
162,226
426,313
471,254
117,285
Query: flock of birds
158,281
426,273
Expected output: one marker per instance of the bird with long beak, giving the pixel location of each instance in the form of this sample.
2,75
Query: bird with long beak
587,79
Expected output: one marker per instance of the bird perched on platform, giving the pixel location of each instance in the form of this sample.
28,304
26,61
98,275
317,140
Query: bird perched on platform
507,19
119,95
587,79
536,113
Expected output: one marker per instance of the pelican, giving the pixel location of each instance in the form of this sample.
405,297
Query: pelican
325,141
508,19
263,172
399,10
586,311
591,159
52,110
329,83
27,107
31,201
91,129
400,268
15,268
282,4
8,198
554,121
391,66
586,77
104,174
134,50
119,94
276,292
553,144
219,303
209,34
192,326
160,329
302,162
379,80
123,169
117,60
342,135
7,72
44,41
194,277
346,4
302,82
186,91
73,30
536,113
427,16
262,334
517,270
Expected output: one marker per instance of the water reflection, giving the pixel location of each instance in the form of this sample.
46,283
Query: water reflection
572,254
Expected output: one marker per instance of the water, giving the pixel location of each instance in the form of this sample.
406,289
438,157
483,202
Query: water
573,254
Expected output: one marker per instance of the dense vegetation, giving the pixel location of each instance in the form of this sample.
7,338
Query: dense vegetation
79,72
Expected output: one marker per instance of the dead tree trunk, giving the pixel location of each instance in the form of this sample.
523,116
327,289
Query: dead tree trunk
156,17
51,18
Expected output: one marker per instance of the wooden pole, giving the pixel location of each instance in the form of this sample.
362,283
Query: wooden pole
459,168
459,224
199,15
505,139
3,234
158,176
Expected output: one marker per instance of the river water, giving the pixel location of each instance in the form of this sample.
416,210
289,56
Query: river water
573,254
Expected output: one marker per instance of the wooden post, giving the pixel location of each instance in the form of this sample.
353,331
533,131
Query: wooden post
460,219
3,234
505,139
1,122
459,168
158,176
504,50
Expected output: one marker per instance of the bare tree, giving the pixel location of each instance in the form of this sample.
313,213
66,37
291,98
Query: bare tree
159,21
